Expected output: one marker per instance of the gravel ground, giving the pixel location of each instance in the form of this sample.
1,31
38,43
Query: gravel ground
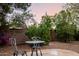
74,46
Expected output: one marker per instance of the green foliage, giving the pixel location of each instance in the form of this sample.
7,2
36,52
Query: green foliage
32,31
23,6
45,28
65,27
74,9
42,30
65,31
6,8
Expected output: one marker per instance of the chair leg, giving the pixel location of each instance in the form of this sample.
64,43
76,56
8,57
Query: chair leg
14,54
24,53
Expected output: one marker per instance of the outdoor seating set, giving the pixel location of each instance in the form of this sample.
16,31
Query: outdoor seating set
35,47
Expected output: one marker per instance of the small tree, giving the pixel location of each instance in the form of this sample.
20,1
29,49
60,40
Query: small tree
45,27
65,27
42,30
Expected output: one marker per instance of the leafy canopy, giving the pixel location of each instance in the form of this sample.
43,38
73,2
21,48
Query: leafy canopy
6,8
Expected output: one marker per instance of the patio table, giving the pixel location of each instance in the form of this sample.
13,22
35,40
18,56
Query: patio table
35,46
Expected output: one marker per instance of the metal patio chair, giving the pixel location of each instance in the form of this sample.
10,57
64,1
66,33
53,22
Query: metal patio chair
36,47
16,52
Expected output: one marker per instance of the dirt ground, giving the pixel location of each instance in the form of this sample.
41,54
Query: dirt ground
74,46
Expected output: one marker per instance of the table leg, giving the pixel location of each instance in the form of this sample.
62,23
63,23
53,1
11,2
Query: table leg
32,51
40,51
36,52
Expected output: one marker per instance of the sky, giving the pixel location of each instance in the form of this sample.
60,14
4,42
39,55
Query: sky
39,9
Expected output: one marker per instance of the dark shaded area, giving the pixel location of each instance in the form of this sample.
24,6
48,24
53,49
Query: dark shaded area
3,38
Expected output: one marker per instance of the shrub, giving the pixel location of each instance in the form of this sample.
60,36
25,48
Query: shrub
32,31
42,30
65,31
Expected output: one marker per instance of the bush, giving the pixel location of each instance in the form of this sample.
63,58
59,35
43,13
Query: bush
32,31
42,30
65,31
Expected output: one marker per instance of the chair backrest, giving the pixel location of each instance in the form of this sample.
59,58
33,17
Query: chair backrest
35,38
38,38
13,43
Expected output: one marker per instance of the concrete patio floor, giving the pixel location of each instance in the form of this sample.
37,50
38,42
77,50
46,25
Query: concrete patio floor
53,49
56,52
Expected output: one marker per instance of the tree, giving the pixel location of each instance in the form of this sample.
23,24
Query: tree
19,20
8,8
74,9
5,10
65,26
